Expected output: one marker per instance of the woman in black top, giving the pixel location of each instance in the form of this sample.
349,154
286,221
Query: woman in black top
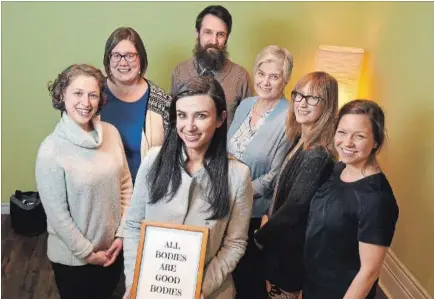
352,216
310,128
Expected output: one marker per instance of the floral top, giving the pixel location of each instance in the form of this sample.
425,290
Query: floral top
239,141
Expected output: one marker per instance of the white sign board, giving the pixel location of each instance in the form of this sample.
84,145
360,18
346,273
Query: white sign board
170,261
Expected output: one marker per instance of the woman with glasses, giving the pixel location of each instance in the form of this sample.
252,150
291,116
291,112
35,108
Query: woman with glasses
310,126
135,106
257,138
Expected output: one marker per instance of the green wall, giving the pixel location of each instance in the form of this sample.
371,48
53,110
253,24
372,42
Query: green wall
40,39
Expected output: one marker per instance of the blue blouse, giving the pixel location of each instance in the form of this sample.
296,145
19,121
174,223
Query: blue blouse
129,119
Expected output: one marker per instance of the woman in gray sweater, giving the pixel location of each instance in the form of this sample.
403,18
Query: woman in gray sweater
190,180
257,137
85,185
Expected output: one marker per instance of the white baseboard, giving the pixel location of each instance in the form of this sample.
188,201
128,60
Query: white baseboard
5,208
397,282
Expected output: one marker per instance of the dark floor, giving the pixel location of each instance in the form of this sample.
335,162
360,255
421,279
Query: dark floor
26,271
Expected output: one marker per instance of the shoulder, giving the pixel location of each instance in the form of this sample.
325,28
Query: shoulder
183,65
238,171
281,113
110,132
283,104
157,92
151,155
378,209
317,153
159,99
108,128
49,147
238,68
247,103
377,190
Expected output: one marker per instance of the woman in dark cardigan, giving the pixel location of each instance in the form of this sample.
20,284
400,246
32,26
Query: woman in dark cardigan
310,126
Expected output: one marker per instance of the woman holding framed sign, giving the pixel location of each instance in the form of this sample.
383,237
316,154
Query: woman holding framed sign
191,180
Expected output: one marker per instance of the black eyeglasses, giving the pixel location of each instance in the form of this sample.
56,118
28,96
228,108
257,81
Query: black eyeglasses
310,100
129,57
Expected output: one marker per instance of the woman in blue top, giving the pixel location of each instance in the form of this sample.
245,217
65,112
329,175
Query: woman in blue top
135,106
257,138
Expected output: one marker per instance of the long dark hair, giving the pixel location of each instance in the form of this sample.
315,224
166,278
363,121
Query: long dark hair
167,166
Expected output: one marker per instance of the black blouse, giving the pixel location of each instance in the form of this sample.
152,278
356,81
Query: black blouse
284,234
342,215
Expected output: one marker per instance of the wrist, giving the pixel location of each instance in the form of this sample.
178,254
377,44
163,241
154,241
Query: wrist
89,256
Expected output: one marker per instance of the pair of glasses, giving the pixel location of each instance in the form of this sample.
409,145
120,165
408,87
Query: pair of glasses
310,99
129,57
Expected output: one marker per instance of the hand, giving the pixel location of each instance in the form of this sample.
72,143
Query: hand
202,296
113,252
127,294
97,258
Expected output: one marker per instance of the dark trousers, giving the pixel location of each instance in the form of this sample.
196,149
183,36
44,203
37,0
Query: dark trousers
248,275
88,281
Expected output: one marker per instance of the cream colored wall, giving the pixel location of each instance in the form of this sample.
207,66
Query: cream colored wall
39,39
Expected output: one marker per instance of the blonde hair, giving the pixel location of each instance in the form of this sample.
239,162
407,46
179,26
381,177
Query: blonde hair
277,54
321,85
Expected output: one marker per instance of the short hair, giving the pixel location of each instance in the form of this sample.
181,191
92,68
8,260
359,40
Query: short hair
277,54
376,117
217,11
58,87
321,85
120,34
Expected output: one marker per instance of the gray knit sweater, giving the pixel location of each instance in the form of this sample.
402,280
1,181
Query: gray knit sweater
85,187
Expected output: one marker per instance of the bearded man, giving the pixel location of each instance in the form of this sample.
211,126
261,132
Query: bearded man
210,58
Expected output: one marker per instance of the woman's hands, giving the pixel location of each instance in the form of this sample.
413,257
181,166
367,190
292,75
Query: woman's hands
113,252
97,258
107,257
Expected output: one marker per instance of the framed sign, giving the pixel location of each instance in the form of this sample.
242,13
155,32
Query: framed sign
170,261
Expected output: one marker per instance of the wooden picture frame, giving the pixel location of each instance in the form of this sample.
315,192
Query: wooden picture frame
172,257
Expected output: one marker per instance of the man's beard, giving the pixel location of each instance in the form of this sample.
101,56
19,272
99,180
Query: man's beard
210,59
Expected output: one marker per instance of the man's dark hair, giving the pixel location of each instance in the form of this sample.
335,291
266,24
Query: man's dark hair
217,11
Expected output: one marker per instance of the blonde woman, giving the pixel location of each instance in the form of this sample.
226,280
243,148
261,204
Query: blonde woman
257,138
310,129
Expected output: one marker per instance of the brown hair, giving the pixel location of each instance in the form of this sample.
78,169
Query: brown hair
57,88
120,34
376,116
325,86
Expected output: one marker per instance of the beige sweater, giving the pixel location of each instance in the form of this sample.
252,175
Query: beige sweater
85,187
233,78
